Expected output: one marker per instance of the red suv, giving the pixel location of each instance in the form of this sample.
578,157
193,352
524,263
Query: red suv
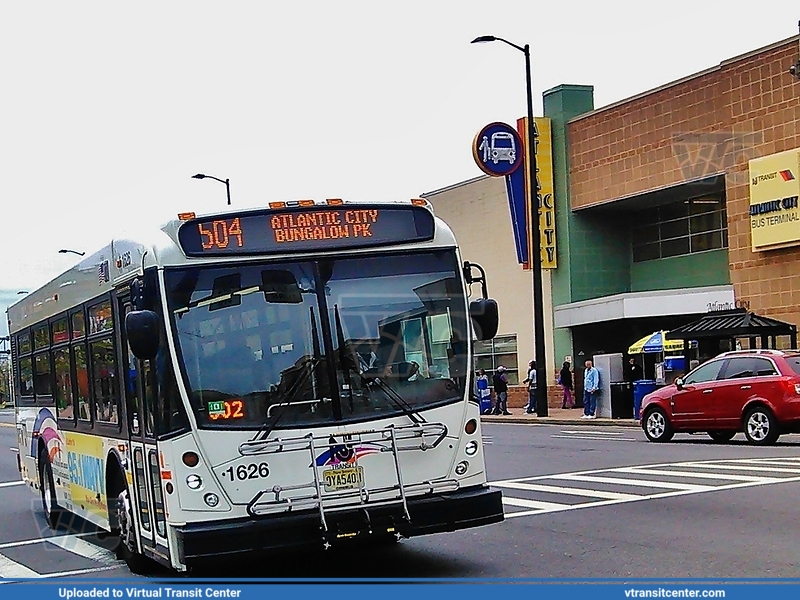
755,391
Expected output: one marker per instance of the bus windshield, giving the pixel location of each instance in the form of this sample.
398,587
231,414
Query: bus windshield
292,344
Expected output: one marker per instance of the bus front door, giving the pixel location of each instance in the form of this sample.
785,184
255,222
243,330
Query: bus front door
147,496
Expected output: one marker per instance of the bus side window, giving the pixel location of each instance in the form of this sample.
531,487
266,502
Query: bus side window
42,380
104,381
82,382
26,381
63,391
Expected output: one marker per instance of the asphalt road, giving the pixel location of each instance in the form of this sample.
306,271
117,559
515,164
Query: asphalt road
581,501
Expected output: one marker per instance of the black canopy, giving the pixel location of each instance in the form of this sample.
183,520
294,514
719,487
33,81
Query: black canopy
736,323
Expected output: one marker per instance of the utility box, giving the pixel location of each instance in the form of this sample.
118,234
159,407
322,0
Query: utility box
611,371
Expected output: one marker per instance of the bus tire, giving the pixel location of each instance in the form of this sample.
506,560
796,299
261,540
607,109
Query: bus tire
52,511
127,549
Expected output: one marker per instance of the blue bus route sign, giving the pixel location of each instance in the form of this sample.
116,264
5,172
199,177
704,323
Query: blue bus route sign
498,149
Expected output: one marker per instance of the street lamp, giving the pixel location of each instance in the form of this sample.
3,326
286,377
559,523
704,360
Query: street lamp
66,251
536,256
227,183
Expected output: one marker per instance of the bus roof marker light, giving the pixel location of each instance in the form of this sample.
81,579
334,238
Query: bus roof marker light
419,202
185,216
335,201
307,203
280,204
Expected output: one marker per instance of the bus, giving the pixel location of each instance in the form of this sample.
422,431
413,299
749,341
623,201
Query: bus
280,378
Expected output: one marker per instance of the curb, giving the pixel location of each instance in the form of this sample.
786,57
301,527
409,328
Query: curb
555,421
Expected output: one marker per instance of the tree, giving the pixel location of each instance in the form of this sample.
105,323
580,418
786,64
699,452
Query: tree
5,366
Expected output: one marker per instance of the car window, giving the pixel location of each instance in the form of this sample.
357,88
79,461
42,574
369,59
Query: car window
763,367
749,366
742,366
794,363
705,372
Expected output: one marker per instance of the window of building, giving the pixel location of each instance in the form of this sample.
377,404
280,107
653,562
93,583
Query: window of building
502,350
680,228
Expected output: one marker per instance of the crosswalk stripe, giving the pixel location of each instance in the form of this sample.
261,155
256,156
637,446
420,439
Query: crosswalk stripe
739,467
636,471
595,432
12,569
524,503
83,548
633,482
772,461
587,437
11,483
532,487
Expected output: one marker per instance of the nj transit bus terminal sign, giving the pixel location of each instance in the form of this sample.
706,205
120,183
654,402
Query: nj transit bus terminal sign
498,150
774,192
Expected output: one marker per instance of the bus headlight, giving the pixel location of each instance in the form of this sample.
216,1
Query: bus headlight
211,499
462,467
193,482
471,449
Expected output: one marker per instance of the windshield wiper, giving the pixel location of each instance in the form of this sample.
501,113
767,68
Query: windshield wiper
308,370
349,364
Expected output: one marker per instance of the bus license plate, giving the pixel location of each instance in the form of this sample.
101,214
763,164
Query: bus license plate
343,479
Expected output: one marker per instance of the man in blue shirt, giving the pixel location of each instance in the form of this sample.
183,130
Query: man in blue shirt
591,384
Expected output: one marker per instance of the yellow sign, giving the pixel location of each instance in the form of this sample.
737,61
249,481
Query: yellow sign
774,192
546,196
87,472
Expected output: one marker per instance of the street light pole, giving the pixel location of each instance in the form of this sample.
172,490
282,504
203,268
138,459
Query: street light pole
227,183
535,251
67,251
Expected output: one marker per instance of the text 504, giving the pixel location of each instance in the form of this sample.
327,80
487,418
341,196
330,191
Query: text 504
243,472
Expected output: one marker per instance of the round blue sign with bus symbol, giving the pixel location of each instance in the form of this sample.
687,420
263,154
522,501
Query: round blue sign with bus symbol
498,149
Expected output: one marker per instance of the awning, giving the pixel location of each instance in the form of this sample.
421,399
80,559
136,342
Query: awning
732,324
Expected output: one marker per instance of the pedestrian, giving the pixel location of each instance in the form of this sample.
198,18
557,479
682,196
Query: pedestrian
484,393
591,384
565,381
500,382
633,372
531,381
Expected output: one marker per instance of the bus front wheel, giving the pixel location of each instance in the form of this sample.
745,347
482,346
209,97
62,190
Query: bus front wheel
127,549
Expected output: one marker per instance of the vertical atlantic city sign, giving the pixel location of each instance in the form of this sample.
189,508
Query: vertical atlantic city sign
499,151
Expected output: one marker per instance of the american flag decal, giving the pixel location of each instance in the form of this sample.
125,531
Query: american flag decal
103,273
787,175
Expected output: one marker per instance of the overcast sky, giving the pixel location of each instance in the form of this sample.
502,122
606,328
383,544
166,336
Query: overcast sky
109,108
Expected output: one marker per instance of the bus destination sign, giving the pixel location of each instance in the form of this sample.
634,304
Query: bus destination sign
309,228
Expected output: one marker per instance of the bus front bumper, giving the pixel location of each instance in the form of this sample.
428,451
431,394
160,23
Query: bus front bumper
470,507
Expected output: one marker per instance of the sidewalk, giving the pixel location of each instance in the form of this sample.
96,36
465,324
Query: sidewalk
558,416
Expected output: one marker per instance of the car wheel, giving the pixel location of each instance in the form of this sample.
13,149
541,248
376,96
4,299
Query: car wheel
721,436
760,426
656,426
52,511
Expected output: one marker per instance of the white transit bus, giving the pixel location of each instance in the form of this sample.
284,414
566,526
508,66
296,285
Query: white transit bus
264,379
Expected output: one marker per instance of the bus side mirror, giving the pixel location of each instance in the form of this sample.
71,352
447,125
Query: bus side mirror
485,319
142,328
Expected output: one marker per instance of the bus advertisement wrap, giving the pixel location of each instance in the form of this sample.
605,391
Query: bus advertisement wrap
86,467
